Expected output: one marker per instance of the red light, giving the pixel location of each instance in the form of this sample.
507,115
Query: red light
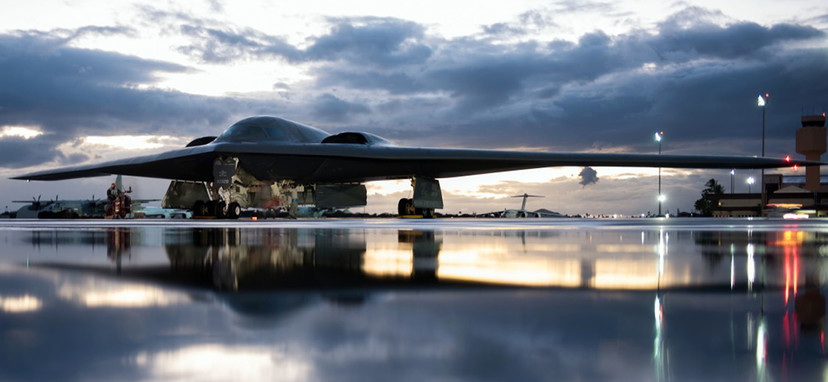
767,95
796,167
787,158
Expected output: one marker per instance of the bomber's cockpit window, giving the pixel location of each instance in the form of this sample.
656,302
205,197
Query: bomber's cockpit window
256,129
276,133
243,133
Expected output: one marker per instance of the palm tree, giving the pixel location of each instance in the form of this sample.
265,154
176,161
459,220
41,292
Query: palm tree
705,205
713,187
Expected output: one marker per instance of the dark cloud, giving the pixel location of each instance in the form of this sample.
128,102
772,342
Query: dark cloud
526,23
740,40
588,176
612,90
19,152
380,42
62,36
617,91
330,108
395,83
487,88
391,77
68,91
218,46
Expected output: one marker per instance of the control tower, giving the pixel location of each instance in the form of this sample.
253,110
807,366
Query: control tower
810,141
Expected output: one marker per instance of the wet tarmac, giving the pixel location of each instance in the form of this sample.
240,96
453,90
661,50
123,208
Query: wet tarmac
409,300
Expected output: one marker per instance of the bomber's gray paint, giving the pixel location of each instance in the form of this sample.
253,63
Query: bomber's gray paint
340,162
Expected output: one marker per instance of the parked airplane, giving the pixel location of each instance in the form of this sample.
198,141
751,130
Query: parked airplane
83,208
61,209
267,161
522,213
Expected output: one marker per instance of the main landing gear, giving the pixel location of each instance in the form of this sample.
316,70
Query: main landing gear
427,198
406,208
216,209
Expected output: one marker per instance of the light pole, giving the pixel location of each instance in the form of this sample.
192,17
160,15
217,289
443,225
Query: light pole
658,136
732,172
750,183
661,199
761,102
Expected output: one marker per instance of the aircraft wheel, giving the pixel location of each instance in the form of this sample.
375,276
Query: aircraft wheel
427,213
405,207
521,215
221,209
200,208
234,211
211,208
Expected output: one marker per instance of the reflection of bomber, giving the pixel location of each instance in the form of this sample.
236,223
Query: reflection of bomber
254,258
268,162
244,259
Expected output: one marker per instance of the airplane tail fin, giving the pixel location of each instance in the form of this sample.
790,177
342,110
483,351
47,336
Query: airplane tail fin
526,196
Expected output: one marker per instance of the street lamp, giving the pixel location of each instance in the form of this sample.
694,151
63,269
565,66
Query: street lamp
761,102
750,183
732,173
658,136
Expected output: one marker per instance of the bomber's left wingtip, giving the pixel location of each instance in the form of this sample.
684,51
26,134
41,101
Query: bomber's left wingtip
25,177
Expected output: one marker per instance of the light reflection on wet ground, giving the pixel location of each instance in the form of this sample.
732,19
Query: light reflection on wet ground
390,299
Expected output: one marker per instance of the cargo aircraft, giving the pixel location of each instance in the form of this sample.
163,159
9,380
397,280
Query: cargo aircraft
266,162
522,212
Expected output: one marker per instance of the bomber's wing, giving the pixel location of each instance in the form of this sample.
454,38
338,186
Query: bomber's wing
192,163
322,162
349,163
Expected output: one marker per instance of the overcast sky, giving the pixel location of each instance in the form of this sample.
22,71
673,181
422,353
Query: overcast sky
87,81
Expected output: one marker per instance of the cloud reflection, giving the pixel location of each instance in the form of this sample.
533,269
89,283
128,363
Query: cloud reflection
119,295
20,304
215,362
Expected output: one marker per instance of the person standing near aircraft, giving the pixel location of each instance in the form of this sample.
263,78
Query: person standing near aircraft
111,196
112,193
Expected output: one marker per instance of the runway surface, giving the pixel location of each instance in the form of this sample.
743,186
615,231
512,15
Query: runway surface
392,299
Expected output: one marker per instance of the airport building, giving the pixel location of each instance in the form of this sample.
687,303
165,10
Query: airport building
804,194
